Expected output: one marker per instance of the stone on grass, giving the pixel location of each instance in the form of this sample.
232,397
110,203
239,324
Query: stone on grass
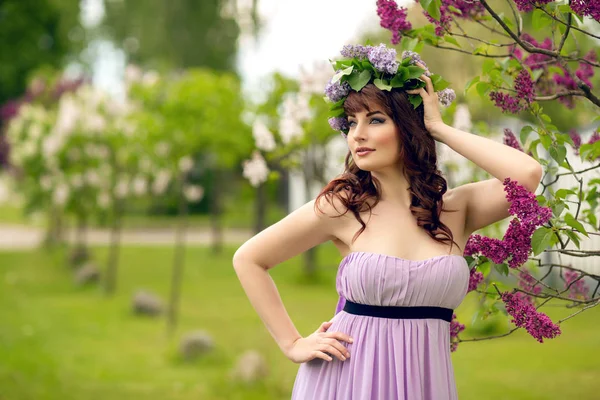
195,344
86,274
78,256
250,367
147,303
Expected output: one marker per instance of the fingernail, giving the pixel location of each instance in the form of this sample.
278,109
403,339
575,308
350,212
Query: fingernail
343,358
351,340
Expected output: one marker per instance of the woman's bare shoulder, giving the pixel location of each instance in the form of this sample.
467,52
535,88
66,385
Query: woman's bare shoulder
334,204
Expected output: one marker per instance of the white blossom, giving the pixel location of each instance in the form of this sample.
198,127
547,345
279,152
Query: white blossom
193,193
255,169
462,118
140,186
104,200
46,182
161,182
133,74
150,78
314,82
76,181
122,188
60,194
186,164
289,129
35,131
262,136
162,149
51,145
92,178
68,114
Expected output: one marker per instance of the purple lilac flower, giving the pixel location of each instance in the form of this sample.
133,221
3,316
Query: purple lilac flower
359,51
337,91
446,96
535,60
516,243
524,86
455,328
577,290
475,278
415,58
528,283
383,59
576,137
524,314
393,18
466,10
511,140
586,71
528,5
593,139
339,124
590,8
506,102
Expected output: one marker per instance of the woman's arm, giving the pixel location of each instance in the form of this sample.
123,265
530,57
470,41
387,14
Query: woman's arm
299,231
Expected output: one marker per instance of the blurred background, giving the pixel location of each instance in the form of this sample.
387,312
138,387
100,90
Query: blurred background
141,142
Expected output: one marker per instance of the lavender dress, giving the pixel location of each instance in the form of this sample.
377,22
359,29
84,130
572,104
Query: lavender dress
390,358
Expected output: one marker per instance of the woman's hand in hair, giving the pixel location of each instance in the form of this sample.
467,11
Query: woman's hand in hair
431,105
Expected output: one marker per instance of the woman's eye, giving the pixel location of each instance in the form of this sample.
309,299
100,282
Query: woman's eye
379,121
351,122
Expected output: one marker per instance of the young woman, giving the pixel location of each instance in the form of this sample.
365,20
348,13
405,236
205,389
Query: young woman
401,233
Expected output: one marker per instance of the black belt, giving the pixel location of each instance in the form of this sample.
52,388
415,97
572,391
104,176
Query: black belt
418,312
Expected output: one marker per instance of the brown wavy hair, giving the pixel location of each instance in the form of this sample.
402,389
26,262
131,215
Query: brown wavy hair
418,154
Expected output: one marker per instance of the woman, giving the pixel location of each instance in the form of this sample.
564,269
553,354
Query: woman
401,233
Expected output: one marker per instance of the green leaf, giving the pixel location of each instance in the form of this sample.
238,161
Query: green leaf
558,152
408,43
358,81
525,131
572,222
338,76
483,88
540,20
382,84
414,72
501,268
432,7
573,236
481,49
452,40
563,193
557,209
415,100
488,65
484,267
471,83
540,240
546,141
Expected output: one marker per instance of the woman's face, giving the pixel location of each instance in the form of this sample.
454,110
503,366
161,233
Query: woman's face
373,130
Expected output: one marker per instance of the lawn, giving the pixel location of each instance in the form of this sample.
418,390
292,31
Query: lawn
59,341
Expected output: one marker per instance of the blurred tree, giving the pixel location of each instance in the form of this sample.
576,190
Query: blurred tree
174,33
35,33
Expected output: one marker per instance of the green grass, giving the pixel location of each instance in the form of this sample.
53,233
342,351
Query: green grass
58,341
239,217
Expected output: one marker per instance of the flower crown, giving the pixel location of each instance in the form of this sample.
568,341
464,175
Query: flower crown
378,65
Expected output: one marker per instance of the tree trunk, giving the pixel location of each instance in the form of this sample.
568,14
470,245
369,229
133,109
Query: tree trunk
178,262
310,256
260,208
115,244
216,212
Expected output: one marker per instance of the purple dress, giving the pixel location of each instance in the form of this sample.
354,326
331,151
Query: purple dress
390,358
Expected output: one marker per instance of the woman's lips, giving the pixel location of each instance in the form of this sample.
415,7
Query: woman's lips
364,153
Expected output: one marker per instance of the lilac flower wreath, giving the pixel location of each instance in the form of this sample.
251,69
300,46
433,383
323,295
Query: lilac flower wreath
377,64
